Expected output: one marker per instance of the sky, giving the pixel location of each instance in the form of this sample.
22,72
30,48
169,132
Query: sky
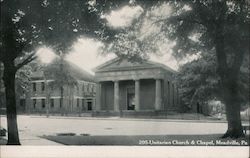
86,54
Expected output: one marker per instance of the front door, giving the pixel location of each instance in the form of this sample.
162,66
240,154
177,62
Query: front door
89,105
131,101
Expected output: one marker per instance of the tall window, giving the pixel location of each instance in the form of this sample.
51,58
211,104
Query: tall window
43,103
61,100
77,89
42,86
52,103
34,86
91,88
173,95
83,87
83,107
94,88
77,102
34,103
88,88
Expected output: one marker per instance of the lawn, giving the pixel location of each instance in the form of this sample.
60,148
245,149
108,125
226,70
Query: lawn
155,140
3,141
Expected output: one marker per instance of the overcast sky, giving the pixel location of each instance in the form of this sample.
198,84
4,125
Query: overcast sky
85,52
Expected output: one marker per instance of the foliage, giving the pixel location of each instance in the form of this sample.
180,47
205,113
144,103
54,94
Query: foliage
59,71
214,26
26,25
198,81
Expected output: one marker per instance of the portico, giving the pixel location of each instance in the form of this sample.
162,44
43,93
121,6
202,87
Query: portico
125,86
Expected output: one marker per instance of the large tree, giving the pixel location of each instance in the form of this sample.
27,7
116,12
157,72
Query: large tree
26,25
221,27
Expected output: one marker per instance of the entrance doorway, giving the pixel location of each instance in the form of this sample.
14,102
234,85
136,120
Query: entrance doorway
131,98
89,105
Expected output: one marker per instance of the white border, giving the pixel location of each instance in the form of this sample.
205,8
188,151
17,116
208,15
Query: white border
122,152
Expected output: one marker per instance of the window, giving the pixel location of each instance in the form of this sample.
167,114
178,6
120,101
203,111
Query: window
91,88
173,93
43,103
61,101
83,87
34,86
52,103
34,103
77,102
88,88
42,86
83,104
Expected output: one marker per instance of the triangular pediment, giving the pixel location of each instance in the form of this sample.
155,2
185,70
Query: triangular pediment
121,64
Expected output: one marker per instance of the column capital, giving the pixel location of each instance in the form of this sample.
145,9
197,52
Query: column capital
136,79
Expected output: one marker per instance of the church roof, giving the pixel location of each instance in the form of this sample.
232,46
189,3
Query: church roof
117,64
73,70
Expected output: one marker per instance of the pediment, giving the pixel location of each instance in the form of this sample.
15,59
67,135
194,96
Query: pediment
121,64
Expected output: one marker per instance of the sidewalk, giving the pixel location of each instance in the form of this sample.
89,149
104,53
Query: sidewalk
202,120
32,140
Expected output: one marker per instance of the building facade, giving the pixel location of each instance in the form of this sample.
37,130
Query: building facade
125,87
47,96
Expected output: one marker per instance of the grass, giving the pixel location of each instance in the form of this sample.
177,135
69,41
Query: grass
3,141
156,140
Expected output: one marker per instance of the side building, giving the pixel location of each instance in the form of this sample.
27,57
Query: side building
70,93
126,88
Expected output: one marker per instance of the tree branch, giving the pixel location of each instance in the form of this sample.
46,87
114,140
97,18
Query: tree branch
30,58
177,18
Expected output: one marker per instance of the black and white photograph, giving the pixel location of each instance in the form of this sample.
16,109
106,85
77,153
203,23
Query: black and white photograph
127,74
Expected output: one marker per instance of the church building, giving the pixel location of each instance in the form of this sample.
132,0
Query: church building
126,87
73,94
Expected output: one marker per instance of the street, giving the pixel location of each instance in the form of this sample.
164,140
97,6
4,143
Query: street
31,127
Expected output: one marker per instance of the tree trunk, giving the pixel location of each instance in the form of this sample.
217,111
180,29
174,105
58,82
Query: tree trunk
228,84
230,97
9,82
61,102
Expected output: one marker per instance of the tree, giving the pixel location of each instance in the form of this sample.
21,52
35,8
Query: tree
221,27
198,80
26,25
59,72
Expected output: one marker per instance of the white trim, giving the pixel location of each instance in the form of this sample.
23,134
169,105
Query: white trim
55,97
77,97
85,82
41,81
37,97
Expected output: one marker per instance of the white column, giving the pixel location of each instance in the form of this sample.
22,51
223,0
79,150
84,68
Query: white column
158,94
116,96
137,95
98,96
